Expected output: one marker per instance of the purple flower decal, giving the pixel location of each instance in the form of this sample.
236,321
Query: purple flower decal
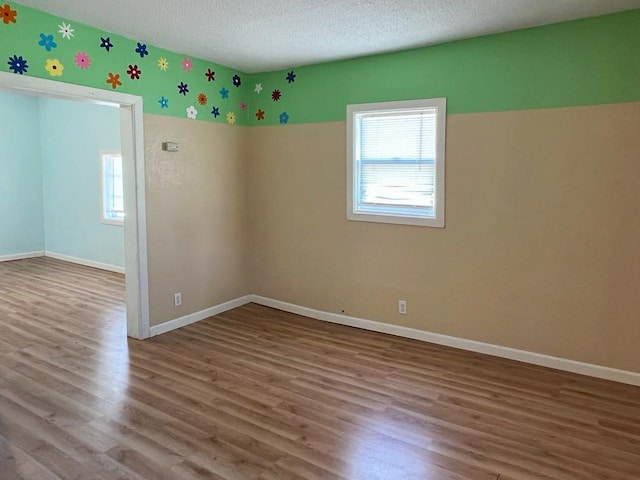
106,43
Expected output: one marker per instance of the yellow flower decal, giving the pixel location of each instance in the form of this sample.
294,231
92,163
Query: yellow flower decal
231,118
54,67
163,64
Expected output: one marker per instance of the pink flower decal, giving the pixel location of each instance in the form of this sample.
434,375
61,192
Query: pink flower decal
243,106
82,60
187,64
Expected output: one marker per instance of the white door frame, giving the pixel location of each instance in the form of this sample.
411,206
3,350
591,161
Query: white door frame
135,221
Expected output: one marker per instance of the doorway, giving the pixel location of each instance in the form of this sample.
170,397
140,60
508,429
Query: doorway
132,147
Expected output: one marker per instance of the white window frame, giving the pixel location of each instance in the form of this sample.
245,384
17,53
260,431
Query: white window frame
353,213
104,154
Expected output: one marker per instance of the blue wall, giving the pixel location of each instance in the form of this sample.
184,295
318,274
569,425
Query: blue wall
21,213
50,178
72,134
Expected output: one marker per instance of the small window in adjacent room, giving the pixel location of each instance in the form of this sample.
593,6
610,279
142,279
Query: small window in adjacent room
112,188
395,162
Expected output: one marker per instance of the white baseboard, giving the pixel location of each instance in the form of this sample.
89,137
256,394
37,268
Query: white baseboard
597,371
197,316
86,263
20,256
622,376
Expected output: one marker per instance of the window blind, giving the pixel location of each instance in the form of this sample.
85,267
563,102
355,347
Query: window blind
113,188
395,161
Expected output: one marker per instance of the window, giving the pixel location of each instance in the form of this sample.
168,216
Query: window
112,188
395,162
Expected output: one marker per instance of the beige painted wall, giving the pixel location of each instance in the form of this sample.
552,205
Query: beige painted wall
196,215
541,250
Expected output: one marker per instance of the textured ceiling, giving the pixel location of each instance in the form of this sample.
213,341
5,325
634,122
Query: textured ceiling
262,35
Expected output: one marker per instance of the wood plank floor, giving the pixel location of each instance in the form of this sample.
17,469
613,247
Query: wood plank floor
261,394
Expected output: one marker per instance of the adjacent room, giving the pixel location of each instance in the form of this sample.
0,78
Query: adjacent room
62,209
363,240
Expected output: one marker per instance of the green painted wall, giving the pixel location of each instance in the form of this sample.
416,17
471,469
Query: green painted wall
23,39
585,62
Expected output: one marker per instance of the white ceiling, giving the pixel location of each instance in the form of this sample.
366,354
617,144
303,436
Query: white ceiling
263,35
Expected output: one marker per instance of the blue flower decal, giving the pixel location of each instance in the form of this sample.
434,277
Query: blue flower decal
18,64
237,81
164,102
224,93
215,112
47,42
183,88
106,43
284,118
291,77
141,50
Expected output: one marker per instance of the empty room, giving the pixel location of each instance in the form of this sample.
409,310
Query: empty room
362,240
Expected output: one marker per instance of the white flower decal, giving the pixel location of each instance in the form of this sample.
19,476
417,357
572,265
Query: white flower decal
258,88
192,113
66,31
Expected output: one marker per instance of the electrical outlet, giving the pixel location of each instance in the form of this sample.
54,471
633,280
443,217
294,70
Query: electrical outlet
177,299
402,307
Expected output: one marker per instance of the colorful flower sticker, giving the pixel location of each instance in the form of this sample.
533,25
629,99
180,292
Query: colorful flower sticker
231,118
291,77
258,88
210,74
134,72
8,15
47,42
276,95
237,81
243,106
82,60
141,50
66,31
54,67
18,64
114,80
187,64
106,43
183,88
260,114
192,113
164,102
202,99
215,111
284,118
163,64
224,93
